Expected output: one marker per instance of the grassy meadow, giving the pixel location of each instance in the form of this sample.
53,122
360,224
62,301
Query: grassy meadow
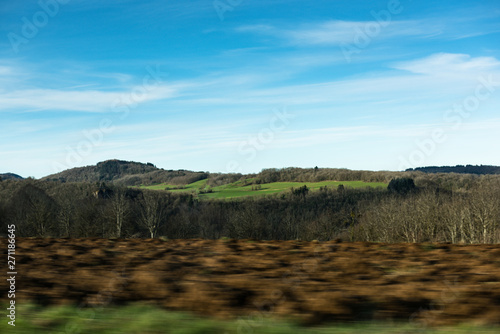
139,318
246,188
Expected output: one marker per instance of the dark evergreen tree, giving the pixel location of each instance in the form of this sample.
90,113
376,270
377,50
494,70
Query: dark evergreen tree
402,185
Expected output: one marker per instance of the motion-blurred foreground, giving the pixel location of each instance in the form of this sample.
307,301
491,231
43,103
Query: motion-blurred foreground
424,285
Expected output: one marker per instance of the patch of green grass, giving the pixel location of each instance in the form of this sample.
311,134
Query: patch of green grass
239,189
140,318
186,188
161,186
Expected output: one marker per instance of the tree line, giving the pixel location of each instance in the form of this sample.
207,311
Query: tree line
129,173
467,169
456,208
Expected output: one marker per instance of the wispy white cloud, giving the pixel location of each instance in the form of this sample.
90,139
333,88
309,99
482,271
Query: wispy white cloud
258,28
336,32
251,89
449,63
79,100
5,70
475,34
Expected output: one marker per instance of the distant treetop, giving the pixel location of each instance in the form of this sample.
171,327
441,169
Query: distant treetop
460,169
10,176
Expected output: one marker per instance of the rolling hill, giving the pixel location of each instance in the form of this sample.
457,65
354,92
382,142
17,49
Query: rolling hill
220,185
126,173
247,187
10,176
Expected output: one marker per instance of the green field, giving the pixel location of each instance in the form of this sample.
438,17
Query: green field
242,189
188,188
134,319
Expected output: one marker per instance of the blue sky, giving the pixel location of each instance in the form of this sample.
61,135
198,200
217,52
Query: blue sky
237,86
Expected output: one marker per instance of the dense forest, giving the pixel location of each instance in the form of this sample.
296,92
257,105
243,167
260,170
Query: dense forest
461,169
415,207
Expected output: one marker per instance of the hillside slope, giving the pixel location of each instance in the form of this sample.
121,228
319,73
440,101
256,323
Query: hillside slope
130,173
126,173
10,176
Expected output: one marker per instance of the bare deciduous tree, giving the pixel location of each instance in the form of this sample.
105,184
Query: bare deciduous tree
120,210
153,212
